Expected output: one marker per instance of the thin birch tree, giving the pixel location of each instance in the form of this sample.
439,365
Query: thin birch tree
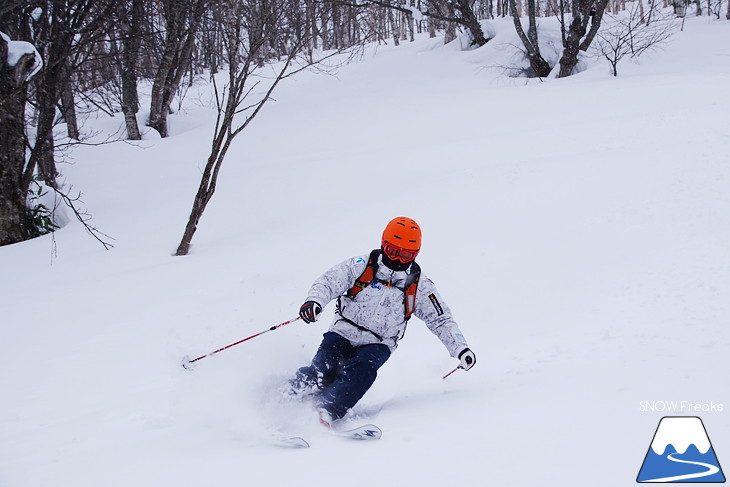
248,23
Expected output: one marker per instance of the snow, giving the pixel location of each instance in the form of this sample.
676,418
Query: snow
578,229
17,49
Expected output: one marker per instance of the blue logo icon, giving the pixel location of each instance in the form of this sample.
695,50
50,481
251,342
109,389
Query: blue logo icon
681,452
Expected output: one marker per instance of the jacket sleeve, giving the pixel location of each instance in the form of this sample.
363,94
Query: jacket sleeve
436,314
336,281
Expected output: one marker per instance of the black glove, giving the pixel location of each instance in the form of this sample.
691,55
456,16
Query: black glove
310,311
468,359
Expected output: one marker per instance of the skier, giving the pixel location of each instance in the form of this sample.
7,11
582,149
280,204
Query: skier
376,295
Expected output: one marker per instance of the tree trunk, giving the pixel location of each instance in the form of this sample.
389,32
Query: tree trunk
202,197
162,92
393,27
530,41
309,28
68,107
131,43
14,225
42,155
130,121
574,41
569,59
411,29
450,32
469,20
182,24
404,27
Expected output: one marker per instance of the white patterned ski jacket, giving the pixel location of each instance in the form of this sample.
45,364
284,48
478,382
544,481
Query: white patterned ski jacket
377,313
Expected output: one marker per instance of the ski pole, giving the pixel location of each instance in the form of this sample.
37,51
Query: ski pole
188,364
457,368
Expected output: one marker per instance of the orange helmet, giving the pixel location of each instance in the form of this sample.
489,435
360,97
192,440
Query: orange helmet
403,233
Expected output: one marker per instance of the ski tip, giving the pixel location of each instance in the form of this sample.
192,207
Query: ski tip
290,441
298,442
366,432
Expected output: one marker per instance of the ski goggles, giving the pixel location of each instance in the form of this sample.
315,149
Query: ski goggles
396,253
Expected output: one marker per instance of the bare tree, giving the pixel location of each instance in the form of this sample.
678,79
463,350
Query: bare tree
126,42
247,31
628,35
459,12
61,30
210,44
182,19
578,36
530,40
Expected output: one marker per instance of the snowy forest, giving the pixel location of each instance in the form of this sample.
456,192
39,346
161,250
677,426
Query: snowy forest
94,55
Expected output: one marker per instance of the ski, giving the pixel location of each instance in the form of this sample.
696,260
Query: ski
365,432
281,439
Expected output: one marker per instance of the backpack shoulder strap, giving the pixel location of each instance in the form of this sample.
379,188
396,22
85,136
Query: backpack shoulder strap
411,289
367,276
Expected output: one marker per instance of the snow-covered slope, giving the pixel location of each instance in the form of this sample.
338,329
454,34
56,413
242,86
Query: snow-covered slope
578,228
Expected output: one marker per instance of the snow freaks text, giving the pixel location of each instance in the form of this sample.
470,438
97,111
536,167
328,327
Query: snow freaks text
687,407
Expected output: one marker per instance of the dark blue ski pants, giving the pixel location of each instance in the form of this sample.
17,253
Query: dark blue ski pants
343,372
